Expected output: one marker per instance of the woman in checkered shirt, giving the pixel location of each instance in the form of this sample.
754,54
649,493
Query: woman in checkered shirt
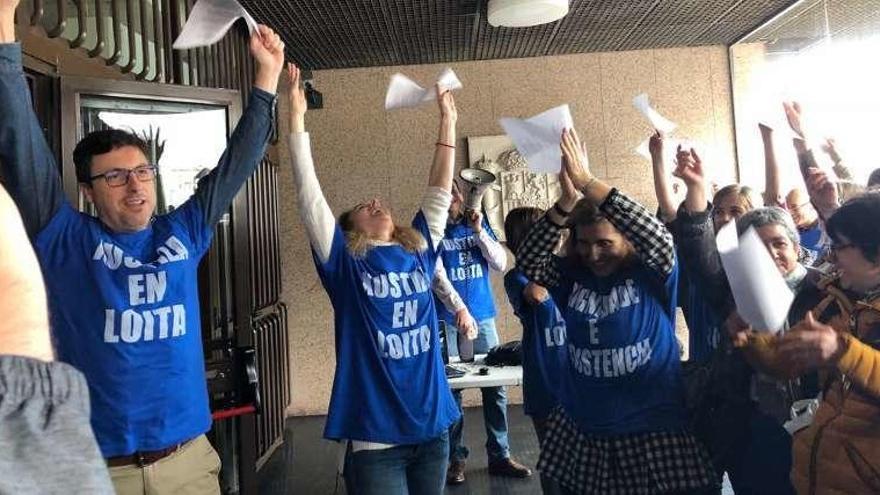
621,425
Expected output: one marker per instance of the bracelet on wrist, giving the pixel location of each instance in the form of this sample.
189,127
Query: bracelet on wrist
559,211
450,146
588,184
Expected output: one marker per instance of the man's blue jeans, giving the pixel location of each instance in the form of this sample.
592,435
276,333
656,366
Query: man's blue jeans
402,470
494,400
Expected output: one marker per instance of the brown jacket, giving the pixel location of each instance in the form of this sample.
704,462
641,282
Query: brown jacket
840,452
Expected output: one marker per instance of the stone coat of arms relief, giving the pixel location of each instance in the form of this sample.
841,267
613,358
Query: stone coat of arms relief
517,186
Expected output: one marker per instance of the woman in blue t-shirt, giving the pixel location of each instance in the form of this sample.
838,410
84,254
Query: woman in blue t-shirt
391,405
543,340
621,426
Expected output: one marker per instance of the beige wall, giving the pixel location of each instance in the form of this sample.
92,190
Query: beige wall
361,151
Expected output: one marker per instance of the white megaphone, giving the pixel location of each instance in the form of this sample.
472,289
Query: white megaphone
474,182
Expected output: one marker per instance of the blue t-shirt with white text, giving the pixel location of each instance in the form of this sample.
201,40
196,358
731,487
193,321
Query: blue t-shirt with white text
468,270
544,351
623,373
390,385
128,318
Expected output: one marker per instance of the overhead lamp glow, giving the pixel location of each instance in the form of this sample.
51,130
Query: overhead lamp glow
525,13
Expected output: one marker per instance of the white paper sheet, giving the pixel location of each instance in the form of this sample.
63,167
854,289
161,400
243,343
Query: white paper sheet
403,92
657,121
670,148
761,294
209,21
537,138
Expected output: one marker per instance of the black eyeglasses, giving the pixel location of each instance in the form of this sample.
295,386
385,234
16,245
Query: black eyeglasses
118,177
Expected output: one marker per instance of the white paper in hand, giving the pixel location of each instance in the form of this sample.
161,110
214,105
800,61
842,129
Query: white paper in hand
403,92
657,121
209,21
761,294
537,138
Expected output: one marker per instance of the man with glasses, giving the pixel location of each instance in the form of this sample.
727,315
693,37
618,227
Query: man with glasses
813,241
122,287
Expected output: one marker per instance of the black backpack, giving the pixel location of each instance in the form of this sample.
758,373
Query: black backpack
507,354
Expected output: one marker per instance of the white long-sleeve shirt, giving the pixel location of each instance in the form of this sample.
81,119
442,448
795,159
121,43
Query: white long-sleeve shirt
492,250
317,216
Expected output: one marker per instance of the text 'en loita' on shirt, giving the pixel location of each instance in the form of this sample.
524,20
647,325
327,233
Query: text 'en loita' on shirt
390,386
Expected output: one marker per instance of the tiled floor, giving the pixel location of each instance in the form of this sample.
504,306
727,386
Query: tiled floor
306,463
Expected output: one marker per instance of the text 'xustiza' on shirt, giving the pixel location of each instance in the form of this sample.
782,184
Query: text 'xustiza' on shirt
405,339
133,325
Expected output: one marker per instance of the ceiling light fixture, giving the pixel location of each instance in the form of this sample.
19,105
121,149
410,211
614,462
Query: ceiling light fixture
525,13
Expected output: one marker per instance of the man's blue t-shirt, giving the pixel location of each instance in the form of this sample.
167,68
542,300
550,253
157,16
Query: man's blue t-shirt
128,318
544,350
624,372
468,270
390,385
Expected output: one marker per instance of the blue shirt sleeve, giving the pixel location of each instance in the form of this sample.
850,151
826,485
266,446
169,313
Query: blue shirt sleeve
243,154
27,165
332,271
514,284
193,220
488,228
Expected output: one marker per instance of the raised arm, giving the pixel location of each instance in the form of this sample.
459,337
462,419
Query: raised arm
822,188
435,204
694,232
652,242
246,147
313,208
27,166
772,188
534,256
840,168
665,202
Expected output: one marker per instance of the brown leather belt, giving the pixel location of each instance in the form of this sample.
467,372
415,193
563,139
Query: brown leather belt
142,459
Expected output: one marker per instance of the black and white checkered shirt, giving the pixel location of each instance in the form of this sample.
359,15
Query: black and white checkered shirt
652,242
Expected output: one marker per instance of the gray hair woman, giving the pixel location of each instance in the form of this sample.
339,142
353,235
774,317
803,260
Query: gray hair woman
779,234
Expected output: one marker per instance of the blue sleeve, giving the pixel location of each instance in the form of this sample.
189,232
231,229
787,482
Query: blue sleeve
27,167
243,154
488,228
670,286
332,271
191,217
514,284
420,223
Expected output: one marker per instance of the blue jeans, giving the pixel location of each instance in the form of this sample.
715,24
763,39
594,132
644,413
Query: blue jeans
406,469
494,400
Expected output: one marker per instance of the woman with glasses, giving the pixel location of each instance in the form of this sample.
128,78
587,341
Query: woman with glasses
756,454
839,452
391,405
